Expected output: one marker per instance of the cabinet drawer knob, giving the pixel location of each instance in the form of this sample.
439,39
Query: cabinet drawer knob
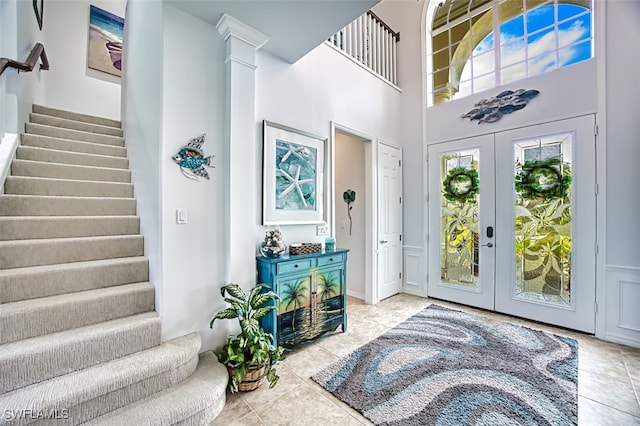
295,266
331,259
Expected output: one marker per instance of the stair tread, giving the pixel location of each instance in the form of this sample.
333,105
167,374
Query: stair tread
57,197
71,166
50,111
79,133
70,122
33,344
10,308
87,145
205,388
92,382
79,181
70,239
71,265
72,153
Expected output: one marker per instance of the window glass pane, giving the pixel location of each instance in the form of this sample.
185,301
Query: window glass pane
541,43
543,243
512,30
512,53
484,82
573,54
541,64
461,51
513,73
441,59
460,32
464,89
539,18
573,31
485,45
459,237
441,79
440,41
566,11
483,63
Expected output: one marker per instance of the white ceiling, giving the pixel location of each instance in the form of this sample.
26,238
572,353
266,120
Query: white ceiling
294,27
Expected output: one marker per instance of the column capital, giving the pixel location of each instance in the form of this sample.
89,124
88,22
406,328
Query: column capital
229,26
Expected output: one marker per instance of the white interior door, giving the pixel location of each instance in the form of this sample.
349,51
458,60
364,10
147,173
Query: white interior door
546,223
523,243
389,220
461,211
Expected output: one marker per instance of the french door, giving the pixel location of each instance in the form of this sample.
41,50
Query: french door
512,222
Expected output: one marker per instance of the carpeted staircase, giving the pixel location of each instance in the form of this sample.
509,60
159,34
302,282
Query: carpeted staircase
79,337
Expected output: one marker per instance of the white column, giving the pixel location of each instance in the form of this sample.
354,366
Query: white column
242,191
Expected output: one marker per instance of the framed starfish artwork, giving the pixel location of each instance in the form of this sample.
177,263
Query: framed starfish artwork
293,178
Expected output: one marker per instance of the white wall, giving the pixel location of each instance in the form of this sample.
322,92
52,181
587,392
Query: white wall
321,87
142,79
70,84
622,230
350,174
193,254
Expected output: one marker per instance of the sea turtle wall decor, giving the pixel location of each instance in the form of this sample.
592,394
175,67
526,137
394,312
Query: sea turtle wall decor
491,110
191,159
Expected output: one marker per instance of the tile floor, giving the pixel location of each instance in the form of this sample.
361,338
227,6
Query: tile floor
608,376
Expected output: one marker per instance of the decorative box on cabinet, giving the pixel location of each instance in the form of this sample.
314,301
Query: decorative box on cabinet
312,290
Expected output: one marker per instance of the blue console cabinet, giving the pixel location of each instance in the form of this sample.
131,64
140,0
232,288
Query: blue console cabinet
312,290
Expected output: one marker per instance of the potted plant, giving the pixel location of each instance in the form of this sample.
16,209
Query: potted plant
250,355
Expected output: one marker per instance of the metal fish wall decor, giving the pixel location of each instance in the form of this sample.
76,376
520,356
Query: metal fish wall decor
191,159
491,110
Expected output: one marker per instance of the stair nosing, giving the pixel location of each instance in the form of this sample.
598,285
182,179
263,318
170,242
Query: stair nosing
70,165
72,265
124,148
89,116
70,239
40,178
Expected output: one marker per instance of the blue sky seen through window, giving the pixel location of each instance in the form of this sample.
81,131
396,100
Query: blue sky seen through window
528,46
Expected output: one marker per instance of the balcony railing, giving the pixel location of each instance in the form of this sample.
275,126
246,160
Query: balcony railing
371,42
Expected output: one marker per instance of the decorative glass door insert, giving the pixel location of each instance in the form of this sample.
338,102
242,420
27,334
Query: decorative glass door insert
459,240
543,219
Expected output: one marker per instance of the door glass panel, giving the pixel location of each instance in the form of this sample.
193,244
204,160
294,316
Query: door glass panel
543,219
459,256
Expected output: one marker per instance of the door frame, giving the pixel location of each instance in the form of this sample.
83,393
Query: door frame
371,207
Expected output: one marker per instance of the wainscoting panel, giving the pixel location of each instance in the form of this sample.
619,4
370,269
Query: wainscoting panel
413,271
622,312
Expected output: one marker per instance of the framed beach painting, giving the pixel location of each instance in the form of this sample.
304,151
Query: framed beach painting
293,176
106,32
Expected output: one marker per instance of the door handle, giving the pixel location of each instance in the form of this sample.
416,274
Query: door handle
383,241
487,245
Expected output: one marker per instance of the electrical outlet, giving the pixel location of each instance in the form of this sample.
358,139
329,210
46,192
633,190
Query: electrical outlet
322,230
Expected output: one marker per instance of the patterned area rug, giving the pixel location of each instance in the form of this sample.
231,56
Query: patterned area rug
446,367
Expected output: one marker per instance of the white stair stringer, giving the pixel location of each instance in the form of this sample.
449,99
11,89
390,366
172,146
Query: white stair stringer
80,341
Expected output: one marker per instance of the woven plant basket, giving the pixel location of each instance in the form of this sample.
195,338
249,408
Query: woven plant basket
304,248
253,379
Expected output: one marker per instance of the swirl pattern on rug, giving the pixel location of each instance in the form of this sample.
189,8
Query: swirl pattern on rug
446,367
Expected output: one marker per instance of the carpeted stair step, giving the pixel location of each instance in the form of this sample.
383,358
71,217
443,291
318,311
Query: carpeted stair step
66,157
38,227
95,391
26,185
65,123
196,401
37,317
22,253
37,359
57,132
40,205
41,109
66,171
50,280
39,141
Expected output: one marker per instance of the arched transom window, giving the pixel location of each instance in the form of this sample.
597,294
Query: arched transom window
480,44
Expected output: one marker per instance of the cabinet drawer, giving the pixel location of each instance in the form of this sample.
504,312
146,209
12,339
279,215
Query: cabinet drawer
294,266
328,260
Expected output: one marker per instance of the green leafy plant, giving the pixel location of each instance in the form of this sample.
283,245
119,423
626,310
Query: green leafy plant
253,347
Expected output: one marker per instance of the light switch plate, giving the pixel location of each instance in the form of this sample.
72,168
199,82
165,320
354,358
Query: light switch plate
181,216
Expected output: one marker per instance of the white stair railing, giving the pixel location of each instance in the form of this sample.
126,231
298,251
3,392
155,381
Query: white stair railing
371,42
